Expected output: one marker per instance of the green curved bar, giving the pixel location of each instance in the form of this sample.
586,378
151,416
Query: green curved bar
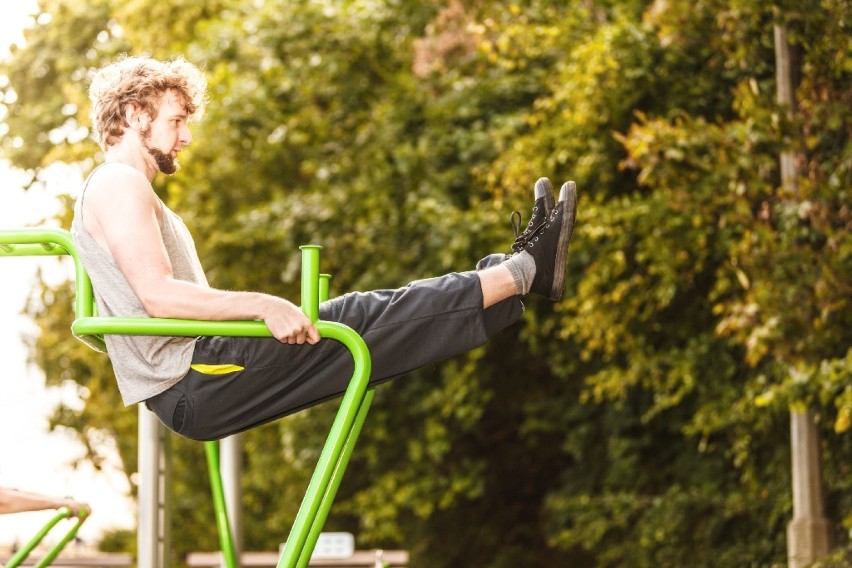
312,511
25,551
45,241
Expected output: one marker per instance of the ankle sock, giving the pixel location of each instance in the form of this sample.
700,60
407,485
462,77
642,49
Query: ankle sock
522,267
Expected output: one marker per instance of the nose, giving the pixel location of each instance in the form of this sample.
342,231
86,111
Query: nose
185,136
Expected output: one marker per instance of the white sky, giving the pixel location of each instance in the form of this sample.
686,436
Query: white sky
31,458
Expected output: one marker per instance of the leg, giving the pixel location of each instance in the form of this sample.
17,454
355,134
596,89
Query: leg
407,328
498,284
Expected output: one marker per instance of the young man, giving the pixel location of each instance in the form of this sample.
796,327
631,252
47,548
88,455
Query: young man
143,263
16,501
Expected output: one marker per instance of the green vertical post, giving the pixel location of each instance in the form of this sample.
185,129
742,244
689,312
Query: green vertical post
226,538
334,483
310,280
323,287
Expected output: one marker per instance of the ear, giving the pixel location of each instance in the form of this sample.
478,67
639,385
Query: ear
135,117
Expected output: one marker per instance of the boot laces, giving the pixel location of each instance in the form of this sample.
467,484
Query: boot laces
530,233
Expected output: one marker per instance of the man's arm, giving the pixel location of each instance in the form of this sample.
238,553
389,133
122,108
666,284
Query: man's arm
121,212
15,501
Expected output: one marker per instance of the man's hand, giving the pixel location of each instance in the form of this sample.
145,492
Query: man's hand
288,323
78,509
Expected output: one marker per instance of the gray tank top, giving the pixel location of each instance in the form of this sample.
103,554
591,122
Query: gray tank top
144,365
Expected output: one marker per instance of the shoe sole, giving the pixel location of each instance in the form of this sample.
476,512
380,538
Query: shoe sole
567,195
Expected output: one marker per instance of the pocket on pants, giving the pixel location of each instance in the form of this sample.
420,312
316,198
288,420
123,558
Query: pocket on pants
217,368
217,356
171,408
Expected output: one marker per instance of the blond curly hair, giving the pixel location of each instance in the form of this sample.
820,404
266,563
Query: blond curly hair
140,81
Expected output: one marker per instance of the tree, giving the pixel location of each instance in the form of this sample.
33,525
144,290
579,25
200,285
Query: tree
640,422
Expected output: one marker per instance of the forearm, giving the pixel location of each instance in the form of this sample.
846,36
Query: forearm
14,501
187,300
170,298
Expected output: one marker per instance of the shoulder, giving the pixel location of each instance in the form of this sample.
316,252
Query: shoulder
114,179
116,174
119,194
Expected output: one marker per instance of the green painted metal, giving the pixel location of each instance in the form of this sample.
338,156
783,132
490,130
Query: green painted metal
90,328
324,280
27,549
332,487
47,241
226,536
321,489
310,280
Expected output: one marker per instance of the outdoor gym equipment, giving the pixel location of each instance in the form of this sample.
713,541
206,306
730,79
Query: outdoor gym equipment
90,328
24,552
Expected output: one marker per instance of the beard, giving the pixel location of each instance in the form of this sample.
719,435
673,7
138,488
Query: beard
165,162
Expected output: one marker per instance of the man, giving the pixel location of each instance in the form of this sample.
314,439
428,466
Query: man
143,263
16,501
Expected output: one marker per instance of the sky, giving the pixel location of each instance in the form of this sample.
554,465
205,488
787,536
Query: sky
31,457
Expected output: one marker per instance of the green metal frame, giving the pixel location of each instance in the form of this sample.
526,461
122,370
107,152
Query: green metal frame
24,552
334,458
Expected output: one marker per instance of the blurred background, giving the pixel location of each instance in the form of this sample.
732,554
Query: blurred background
37,457
653,417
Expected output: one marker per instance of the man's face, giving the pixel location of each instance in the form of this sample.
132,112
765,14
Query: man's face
167,134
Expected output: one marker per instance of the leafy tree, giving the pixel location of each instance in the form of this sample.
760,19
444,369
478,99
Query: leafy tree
640,422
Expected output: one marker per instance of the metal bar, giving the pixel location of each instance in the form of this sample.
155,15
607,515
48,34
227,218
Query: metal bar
226,539
25,551
30,241
310,280
148,533
63,513
296,544
57,548
167,327
230,465
334,484
323,286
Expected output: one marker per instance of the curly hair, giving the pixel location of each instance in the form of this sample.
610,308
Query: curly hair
140,81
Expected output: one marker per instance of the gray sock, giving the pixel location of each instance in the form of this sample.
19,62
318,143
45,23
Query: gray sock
522,267
492,260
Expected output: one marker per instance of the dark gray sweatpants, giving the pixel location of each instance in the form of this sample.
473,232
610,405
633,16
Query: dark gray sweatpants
406,328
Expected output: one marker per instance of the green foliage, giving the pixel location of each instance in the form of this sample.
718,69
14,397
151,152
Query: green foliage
642,420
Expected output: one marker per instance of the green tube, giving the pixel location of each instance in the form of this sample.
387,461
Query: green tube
46,241
334,484
25,551
226,537
323,287
296,544
57,548
310,280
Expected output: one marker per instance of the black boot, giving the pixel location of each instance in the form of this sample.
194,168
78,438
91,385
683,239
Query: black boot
548,244
543,194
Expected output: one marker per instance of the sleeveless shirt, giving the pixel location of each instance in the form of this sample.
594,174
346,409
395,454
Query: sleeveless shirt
144,365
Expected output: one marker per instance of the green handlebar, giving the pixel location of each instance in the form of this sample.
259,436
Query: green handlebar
45,241
25,551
